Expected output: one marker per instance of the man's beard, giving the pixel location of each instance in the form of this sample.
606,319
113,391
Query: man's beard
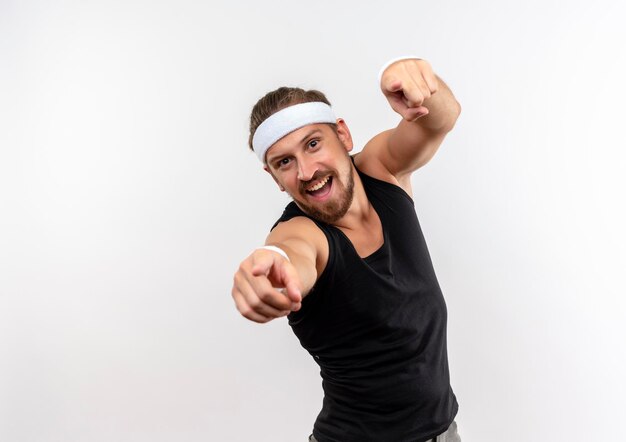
332,211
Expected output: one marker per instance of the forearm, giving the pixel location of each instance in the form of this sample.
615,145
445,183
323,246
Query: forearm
417,141
429,111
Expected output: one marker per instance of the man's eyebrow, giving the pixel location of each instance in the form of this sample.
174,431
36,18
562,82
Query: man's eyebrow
271,159
313,132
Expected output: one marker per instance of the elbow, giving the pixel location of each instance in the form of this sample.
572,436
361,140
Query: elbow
455,111
453,115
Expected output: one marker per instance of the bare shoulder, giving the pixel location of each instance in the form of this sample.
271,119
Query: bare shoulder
297,226
369,162
301,236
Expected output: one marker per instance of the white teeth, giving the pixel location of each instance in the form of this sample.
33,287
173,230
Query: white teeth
319,185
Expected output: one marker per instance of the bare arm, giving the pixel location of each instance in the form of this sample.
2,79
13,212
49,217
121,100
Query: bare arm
259,278
429,111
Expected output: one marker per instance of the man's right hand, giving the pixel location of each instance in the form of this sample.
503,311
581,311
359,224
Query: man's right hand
257,286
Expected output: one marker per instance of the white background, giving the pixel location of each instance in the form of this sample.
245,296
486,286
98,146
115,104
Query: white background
128,198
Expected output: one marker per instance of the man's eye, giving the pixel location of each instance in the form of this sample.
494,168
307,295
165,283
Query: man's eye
283,162
313,143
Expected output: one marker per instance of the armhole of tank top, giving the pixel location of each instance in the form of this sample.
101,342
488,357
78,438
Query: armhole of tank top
315,297
390,186
324,277
322,284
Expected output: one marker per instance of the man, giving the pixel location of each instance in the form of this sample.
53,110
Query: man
348,263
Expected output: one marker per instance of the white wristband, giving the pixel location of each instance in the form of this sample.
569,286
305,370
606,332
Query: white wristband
278,250
390,62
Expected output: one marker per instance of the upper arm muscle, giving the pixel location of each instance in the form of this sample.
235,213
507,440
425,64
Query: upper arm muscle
405,149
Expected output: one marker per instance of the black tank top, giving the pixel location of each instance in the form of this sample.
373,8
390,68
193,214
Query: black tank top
376,326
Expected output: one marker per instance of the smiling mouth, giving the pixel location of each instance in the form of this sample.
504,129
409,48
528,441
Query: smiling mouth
321,189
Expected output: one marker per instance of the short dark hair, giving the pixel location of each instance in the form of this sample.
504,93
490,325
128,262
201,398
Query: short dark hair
277,100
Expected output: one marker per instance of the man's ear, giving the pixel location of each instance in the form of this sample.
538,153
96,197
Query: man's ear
265,168
343,133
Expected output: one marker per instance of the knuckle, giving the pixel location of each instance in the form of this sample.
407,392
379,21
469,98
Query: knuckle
416,95
246,312
265,297
255,304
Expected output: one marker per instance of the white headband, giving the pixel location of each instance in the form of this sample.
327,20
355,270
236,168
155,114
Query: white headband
286,121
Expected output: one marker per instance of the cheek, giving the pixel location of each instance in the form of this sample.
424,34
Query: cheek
289,182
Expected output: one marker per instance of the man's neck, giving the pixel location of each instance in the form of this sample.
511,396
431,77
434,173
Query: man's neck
361,210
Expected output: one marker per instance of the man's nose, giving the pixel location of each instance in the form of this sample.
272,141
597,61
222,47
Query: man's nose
306,170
